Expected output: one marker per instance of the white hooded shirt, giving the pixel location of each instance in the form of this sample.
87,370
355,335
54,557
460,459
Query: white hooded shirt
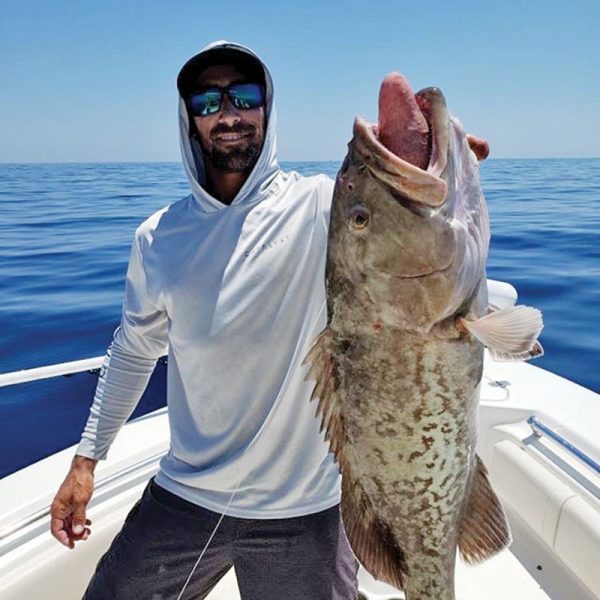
235,294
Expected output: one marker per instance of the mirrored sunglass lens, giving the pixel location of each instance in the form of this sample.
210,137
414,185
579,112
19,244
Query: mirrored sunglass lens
206,103
246,95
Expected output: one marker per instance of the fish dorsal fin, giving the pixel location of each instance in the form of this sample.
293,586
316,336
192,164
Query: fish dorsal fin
509,334
371,540
484,528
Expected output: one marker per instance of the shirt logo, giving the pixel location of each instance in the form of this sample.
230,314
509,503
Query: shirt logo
256,250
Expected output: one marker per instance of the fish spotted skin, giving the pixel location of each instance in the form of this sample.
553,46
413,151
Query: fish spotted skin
413,461
397,381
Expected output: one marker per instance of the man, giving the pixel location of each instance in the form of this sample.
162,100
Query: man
229,280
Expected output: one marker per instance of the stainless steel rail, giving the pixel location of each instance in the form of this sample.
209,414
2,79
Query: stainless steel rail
540,429
91,365
67,368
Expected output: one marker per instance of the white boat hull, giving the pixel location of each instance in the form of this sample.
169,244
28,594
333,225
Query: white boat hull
551,495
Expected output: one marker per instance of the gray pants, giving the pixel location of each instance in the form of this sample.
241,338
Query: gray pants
300,558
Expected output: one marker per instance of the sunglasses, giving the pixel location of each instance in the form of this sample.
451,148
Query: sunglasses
243,96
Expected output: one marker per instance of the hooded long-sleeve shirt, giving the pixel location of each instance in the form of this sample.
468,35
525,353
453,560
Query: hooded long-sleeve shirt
235,294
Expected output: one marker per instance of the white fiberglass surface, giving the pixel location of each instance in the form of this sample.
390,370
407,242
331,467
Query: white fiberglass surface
33,565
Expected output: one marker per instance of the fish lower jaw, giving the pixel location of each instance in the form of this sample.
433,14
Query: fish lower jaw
418,185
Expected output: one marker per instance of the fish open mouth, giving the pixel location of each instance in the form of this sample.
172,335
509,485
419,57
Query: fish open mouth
408,148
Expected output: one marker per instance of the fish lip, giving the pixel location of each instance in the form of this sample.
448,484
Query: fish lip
432,103
418,185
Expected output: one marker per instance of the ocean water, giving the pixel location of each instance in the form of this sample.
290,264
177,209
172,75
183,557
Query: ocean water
65,232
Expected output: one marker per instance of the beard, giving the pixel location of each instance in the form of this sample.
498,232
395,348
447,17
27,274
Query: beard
234,160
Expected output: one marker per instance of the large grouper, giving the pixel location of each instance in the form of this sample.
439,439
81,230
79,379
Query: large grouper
399,366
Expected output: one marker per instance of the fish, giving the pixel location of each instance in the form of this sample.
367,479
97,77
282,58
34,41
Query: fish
398,367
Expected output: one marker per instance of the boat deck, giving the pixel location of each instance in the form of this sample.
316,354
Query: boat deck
500,578
549,484
38,565
41,566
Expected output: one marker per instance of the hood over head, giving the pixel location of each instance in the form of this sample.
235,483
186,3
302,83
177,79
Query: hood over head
266,168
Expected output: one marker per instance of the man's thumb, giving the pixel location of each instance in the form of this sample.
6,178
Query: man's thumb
79,519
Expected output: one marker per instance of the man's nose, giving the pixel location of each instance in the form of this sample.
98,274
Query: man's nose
228,112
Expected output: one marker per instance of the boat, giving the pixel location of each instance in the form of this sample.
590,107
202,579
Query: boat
538,436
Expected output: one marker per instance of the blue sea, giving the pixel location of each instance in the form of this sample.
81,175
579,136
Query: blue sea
65,232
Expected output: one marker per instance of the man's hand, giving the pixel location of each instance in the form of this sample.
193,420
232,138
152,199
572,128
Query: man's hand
68,523
479,146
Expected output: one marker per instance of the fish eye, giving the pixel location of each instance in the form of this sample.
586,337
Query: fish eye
358,218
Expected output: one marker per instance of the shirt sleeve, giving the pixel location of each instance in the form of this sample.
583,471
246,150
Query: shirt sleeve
138,342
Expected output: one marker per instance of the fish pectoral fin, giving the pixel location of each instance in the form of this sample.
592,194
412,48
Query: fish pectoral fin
321,359
509,334
371,539
484,528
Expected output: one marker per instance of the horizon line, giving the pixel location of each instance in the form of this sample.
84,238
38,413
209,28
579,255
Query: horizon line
178,162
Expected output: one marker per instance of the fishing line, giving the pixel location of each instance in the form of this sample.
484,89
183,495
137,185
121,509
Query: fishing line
210,537
256,437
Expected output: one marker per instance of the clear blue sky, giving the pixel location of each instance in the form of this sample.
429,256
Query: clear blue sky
95,80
